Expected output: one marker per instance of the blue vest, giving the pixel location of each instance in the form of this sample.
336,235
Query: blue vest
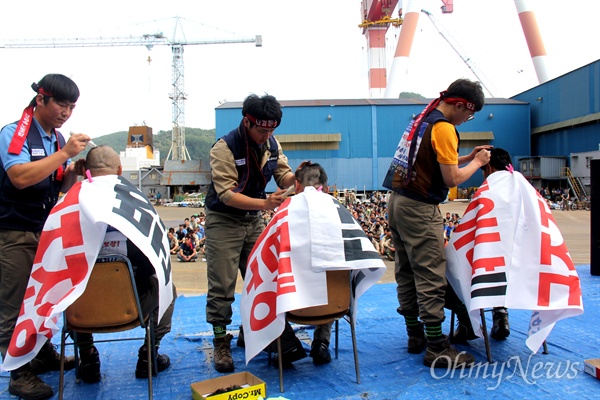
252,180
27,209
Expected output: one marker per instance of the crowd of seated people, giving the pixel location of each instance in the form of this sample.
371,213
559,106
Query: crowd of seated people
370,213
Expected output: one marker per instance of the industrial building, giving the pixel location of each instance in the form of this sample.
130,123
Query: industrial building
355,140
565,129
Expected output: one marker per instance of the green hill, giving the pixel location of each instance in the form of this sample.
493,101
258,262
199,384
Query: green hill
198,142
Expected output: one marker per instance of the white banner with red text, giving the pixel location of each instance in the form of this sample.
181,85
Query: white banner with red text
508,252
68,248
310,234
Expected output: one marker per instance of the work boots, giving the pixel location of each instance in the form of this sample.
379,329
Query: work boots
501,328
416,339
319,351
27,385
222,353
441,354
89,365
463,333
141,369
241,342
48,359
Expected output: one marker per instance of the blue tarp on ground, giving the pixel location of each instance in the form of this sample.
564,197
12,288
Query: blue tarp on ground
387,370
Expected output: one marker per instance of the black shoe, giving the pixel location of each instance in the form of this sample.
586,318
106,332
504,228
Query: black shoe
222,354
141,369
27,385
240,340
48,359
89,366
416,339
289,356
501,327
294,354
319,351
416,344
463,334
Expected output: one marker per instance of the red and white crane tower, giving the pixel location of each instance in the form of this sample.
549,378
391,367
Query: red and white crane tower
399,68
377,12
178,150
376,21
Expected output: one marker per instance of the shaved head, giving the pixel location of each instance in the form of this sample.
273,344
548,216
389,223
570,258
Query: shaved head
103,160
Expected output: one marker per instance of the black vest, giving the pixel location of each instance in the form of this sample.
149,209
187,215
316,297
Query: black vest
27,209
427,183
252,180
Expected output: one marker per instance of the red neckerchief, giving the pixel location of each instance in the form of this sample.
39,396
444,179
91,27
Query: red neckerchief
21,132
61,170
20,135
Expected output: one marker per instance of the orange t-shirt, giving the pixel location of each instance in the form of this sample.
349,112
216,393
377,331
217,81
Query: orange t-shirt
445,143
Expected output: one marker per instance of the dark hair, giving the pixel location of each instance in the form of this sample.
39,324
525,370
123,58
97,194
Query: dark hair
262,108
499,159
60,87
468,90
311,175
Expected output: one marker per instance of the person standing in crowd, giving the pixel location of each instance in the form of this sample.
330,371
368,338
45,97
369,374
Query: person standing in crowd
565,199
35,168
242,163
424,167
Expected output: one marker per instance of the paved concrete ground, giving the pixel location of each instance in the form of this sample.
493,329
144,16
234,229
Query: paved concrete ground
190,278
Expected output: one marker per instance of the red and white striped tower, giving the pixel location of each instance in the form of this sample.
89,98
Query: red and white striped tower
376,21
399,69
377,60
534,39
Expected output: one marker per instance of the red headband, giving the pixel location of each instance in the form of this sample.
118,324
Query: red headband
44,93
264,123
454,100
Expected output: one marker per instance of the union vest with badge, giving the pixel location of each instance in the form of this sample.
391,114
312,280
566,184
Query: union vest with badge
27,209
415,172
252,179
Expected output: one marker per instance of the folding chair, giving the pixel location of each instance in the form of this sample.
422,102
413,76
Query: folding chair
110,303
338,306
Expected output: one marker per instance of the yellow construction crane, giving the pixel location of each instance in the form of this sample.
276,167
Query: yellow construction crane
178,151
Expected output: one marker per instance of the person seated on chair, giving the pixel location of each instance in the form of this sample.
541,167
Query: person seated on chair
499,161
309,174
100,161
